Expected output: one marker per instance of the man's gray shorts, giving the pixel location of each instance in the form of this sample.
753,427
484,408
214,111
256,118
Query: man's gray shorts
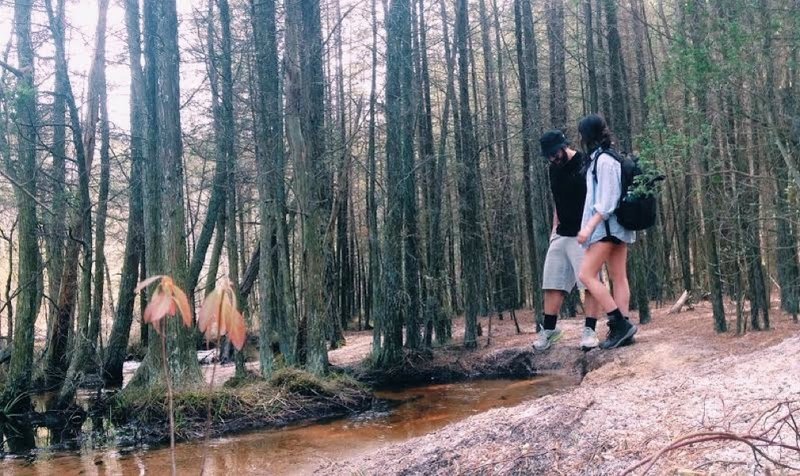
562,264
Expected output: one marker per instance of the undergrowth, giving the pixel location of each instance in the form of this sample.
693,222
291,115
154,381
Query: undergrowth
290,395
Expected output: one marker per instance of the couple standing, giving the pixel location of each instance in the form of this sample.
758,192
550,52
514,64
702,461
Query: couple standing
586,234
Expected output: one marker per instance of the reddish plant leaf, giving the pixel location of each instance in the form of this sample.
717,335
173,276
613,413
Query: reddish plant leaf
147,282
237,331
159,306
218,316
182,301
207,315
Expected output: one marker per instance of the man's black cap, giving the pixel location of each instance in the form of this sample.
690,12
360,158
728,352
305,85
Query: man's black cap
552,141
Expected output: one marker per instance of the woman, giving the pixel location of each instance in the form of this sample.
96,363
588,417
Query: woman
605,240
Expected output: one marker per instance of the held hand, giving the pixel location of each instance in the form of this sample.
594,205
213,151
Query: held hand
584,234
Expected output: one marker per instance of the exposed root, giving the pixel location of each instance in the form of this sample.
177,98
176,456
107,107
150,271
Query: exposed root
773,437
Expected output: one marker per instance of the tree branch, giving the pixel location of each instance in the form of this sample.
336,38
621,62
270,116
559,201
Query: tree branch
19,186
15,71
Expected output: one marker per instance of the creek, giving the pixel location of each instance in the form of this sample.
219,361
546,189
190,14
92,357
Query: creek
396,416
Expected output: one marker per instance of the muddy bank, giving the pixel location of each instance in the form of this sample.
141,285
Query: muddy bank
291,396
454,365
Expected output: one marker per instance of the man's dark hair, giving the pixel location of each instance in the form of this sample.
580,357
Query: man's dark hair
594,132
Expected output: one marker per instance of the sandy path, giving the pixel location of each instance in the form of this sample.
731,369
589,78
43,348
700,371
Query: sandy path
679,378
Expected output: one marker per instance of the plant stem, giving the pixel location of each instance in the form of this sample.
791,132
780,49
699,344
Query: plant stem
210,389
169,397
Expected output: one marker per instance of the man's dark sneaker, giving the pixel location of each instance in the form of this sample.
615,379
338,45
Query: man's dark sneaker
630,340
619,330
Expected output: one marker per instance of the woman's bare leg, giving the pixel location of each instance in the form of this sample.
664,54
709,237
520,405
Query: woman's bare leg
618,274
593,260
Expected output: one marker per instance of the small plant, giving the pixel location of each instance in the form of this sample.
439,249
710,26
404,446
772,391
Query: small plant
218,317
167,300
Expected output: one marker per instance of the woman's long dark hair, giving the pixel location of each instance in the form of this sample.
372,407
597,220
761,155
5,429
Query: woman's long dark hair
594,132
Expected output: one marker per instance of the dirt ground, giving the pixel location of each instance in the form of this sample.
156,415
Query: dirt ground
679,378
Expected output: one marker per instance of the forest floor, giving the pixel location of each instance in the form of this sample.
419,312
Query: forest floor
679,378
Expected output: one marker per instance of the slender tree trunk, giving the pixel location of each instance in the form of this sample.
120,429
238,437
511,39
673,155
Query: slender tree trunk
411,252
558,71
601,62
15,397
399,145
374,291
90,313
344,288
468,191
304,124
134,242
591,65
56,361
57,231
695,15
619,90
522,25
162,71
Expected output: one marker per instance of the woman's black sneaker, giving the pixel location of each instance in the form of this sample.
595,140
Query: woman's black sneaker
619,331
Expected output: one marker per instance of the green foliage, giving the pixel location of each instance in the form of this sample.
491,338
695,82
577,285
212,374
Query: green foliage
645,184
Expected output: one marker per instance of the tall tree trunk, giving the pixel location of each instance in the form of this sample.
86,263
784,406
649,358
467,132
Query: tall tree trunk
89,320
374,284
344,270
558,71
15,395
57,231
411,253
591,65
56,361
468,191
696,14
619,90
274,281
601,62
163,61
449,284
529,105
435,315
304,123
399,145
134,241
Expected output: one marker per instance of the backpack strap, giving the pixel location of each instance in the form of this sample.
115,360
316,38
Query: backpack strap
594,176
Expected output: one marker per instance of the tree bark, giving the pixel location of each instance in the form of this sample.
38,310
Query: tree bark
163,62
558,71
305,114
89,321
15,395
399,145
468,191
56,360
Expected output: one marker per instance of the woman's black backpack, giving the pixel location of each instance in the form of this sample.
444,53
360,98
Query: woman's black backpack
637,207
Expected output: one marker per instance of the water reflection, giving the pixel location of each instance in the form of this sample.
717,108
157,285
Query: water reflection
299,449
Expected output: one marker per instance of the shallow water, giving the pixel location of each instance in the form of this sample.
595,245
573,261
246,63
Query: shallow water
299,449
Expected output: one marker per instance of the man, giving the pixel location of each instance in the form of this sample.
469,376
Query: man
564,254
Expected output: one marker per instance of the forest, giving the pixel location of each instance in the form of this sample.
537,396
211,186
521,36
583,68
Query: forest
369,166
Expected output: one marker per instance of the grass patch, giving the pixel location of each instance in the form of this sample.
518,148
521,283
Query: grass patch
291,395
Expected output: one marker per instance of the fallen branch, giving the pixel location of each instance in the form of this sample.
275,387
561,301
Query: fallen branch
676,308
759,443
